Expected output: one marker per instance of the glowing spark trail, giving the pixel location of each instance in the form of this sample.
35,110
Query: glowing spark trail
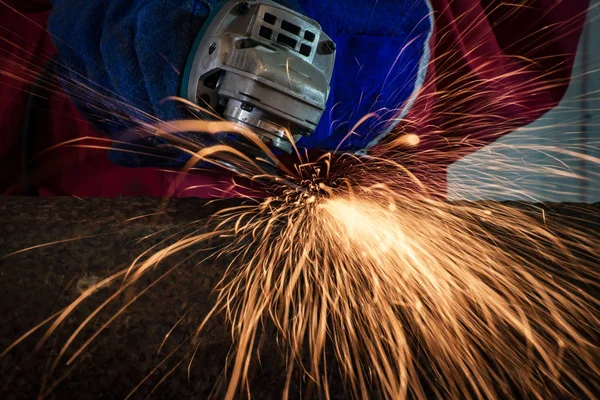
382,276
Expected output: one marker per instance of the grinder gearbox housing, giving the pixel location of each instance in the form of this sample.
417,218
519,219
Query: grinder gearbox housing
263,66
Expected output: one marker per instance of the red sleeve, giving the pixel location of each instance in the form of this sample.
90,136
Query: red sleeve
24,48
494,67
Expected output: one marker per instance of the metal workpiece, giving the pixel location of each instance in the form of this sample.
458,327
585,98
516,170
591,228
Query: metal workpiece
265,67
75,242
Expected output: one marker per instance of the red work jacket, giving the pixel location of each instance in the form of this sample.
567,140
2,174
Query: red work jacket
493,68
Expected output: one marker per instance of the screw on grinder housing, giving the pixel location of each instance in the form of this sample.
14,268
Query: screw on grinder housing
262,66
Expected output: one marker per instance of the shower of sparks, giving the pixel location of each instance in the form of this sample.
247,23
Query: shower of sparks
409,295
360,266
386,276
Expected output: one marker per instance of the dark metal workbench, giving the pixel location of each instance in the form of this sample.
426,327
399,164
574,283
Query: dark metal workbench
37,283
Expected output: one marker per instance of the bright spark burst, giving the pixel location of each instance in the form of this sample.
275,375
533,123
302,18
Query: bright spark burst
412,295
386,276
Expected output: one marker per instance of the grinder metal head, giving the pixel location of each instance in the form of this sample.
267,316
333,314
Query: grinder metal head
263,66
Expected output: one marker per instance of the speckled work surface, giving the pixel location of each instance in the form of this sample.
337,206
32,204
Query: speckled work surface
39,282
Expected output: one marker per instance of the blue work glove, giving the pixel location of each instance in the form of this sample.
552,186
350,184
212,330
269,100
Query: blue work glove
135,51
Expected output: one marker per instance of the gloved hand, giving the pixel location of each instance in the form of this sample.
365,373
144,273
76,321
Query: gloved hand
128,56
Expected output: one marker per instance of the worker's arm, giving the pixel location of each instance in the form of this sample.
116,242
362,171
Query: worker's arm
135,51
